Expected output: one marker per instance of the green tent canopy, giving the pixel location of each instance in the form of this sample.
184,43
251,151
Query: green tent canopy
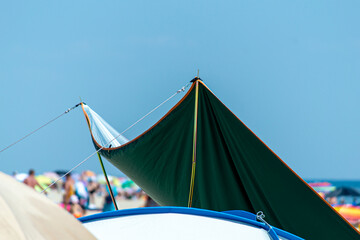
201,154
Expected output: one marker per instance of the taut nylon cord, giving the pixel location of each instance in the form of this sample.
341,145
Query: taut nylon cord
68,110
168,99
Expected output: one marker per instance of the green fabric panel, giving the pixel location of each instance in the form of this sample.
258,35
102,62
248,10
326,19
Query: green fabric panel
234,171
160,160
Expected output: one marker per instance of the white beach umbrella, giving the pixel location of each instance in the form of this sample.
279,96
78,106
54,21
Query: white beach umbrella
21,176
26,214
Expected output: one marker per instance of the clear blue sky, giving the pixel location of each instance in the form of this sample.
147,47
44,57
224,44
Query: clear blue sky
289,69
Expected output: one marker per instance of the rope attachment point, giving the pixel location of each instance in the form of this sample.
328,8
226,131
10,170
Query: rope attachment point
196,79
69,109
260,216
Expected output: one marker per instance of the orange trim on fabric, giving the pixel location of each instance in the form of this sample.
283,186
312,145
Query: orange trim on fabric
284,163
86,117
89,125
172,109
207,88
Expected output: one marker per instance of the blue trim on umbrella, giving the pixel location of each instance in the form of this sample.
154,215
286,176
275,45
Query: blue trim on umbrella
237,216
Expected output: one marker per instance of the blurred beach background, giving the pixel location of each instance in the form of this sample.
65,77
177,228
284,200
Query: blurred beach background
89,191
288,69
91,195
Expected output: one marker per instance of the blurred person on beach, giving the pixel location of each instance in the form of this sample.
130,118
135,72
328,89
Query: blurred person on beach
82,192
333,201
77,211
92,188
149,202
355,201
69,191
31,181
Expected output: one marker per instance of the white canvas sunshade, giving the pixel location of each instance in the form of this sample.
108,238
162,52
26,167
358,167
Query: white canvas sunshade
26,214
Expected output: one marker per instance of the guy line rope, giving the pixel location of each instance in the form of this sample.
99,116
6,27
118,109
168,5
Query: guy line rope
169,98
68,110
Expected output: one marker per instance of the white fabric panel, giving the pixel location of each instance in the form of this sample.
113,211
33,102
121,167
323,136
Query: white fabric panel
102,131
167,226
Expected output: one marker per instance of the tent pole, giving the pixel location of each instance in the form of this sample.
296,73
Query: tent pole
191,191
107,182
101,162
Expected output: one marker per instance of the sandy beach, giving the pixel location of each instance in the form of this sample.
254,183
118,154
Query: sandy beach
122,203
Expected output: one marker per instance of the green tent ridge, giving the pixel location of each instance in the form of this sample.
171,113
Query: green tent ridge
235,170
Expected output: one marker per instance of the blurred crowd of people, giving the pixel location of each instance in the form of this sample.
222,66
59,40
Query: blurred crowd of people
79,192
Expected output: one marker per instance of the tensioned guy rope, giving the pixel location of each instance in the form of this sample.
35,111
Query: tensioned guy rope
68,110
168,99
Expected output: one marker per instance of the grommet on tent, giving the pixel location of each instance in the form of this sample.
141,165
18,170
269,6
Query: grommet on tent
195,79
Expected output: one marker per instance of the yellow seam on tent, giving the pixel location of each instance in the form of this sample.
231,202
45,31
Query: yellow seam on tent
194,145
